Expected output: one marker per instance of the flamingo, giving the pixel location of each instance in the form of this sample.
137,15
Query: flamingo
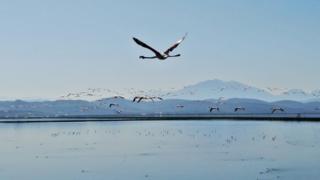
239,109
179,106
137,98
140,98
214,108
118,97
158,55
154,97
110,105
277,109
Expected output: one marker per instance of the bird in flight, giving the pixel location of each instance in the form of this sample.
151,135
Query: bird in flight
112,104
214,109
140,98
158,55
239,109
179,106
277,109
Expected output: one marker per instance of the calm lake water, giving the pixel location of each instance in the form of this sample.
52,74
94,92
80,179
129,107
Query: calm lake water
160,150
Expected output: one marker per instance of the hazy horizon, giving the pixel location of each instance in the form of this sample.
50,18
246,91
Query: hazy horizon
130,92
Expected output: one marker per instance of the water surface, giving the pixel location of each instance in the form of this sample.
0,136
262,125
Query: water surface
160,150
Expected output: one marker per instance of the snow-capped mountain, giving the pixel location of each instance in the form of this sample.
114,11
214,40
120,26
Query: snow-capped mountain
211,89
214,89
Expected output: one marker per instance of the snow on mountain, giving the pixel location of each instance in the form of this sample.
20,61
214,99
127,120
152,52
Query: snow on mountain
214,89
211,89
276,90
295,94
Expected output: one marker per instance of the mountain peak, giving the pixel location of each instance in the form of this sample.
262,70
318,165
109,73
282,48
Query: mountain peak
209,89
215,89
218,83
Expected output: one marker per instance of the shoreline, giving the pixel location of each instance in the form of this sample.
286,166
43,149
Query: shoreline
167,117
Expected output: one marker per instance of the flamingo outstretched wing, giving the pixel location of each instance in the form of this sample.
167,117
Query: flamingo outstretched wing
146,46
175,45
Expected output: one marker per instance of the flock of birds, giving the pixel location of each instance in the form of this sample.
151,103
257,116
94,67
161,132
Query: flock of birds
139,99
139,96
147,98
237,109
100,93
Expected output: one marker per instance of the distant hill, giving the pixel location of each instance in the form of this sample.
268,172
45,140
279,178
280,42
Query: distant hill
9,109
232,89
193,99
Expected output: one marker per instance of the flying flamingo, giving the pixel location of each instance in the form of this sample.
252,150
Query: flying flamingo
112,104
140,98
214,108
179,106
277,109
239,109
158,55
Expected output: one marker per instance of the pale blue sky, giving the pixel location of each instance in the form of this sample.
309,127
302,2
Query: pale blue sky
48,48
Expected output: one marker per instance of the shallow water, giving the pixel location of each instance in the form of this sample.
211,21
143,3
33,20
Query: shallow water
160,150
